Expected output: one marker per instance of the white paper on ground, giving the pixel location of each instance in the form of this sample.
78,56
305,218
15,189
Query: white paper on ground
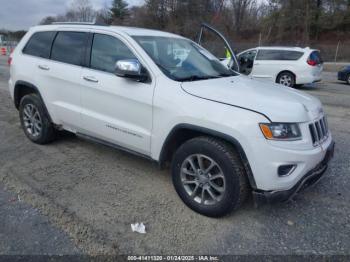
139,228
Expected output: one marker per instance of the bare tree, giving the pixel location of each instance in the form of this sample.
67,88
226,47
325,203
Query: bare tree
292,22
240,11
81,11
104,16
48,20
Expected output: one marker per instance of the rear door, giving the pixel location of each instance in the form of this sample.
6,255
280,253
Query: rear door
115,109
35,63
63,77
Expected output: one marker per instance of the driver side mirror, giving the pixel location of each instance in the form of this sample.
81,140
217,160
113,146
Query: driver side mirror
130,68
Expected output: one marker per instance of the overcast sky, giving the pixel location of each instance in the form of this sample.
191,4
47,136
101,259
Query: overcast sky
22,14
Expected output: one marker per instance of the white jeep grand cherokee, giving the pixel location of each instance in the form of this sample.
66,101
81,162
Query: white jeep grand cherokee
224,135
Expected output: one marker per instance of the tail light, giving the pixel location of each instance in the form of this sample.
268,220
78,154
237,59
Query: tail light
312,62
315,58
9,60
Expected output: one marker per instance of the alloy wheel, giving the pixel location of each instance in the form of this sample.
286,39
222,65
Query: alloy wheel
286,80
32,120
203,179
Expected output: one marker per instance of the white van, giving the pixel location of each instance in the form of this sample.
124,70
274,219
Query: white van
289,66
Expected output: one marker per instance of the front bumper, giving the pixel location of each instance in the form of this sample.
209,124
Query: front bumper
312,177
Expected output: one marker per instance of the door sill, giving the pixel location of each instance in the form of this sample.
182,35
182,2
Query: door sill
113,145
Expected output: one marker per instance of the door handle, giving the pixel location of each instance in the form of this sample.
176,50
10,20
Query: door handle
90,79
44,67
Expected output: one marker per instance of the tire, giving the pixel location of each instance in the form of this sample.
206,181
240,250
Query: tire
286,79
35,121
225,185
348,79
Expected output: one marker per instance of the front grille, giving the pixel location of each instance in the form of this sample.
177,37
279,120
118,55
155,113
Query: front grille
319,131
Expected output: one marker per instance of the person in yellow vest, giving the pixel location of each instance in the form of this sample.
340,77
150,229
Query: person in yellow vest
228,54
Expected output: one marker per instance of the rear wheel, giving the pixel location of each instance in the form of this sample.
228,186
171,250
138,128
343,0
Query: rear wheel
286,79
209,177
35,121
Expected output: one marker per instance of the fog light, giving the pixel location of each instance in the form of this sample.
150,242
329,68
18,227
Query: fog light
285,170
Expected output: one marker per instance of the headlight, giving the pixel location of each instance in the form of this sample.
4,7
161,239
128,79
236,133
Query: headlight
281,131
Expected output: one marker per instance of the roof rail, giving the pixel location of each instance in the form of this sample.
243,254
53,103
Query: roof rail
80,23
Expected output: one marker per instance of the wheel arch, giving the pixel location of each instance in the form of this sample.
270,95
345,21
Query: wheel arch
23,88
286,71
184,132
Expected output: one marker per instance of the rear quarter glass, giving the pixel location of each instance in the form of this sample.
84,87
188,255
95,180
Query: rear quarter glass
40,44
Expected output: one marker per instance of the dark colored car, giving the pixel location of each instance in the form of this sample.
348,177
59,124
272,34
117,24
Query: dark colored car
344,74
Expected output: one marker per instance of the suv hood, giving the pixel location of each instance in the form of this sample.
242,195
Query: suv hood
278,103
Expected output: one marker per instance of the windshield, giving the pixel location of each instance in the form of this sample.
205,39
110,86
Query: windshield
181,59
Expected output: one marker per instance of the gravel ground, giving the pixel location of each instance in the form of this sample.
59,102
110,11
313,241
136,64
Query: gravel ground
23,230
93,193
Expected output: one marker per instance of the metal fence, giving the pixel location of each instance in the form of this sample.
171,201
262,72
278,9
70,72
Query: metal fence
336,52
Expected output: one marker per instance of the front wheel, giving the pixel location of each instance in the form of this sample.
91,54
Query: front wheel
286,79
209,177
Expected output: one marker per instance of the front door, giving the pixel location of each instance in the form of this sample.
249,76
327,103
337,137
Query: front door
115,109
246,62
218,45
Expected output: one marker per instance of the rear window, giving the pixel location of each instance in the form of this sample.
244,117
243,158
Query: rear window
316,56
40,44
69,47
279,55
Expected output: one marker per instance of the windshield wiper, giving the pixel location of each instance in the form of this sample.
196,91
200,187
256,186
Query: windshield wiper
196,78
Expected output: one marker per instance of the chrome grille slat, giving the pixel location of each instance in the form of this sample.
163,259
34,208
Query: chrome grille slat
326,123
323,134
313,133
319,131
323,127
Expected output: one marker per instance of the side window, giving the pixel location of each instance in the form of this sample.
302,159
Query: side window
40,44
269,55
106,51
279,55
249,55
69,47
